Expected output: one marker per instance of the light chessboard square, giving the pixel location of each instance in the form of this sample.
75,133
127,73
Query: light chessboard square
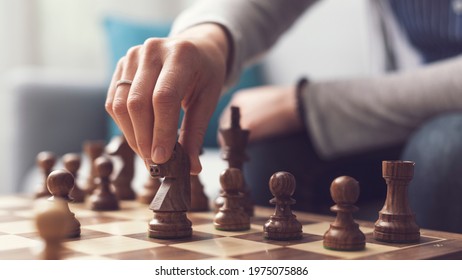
225,246
317,247
120,228
109,245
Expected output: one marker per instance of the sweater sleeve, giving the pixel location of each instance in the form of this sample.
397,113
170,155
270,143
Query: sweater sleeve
252,25
349,116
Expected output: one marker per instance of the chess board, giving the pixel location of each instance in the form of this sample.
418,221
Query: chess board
123,235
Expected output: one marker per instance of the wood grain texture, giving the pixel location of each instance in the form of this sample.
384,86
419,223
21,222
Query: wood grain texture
396,222
233,150
103,198
282,224
231,216
344,233
173,198
60,182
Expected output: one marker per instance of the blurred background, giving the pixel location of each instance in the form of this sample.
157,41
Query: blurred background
56,58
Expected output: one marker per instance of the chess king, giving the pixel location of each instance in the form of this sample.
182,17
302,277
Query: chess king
173,198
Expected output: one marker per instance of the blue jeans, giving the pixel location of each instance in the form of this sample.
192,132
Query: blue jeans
435,193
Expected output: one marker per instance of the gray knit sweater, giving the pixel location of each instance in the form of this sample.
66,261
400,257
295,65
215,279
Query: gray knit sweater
342,116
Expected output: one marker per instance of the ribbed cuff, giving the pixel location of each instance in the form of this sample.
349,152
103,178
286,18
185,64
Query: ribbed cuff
301,86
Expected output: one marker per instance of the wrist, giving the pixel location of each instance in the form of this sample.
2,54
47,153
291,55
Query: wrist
212,36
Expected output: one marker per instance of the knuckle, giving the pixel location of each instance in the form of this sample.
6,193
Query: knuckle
165,95
135,104
119,107
152,50
184,49
132,53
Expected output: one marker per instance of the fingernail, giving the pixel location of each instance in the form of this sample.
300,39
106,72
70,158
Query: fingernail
159,154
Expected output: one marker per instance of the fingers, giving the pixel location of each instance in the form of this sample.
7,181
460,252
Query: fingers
176,80
140,97
120,103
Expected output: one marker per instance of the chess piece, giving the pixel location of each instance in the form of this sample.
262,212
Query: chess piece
283,224
344,234
122,182
149,190
103,199
45,161
173,198
60,182
396,222
231,216
72,164
92,149
233,150
52,223
199,200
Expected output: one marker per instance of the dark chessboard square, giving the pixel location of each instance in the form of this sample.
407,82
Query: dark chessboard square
259,237
197,236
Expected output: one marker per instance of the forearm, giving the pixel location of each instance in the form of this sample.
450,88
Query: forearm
253,26
358,115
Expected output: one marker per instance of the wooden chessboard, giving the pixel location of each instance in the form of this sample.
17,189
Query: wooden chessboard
123,235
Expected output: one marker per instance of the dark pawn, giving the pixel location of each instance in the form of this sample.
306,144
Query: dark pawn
396,221
199,200
72,164
283,224
233,151
45,161
103,199
60,182
92,149
122,182
149,190
344,234
231,216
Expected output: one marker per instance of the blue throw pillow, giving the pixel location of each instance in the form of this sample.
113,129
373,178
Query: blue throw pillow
122,34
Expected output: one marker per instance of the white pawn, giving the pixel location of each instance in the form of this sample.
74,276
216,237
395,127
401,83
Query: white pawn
52,222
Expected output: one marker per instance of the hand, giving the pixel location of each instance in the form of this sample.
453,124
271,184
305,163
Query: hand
267,111
186,71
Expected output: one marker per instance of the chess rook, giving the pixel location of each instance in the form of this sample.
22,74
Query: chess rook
396,221
103,199
344,234
60,182
45,162
283,224
72,163
231,216
173,198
